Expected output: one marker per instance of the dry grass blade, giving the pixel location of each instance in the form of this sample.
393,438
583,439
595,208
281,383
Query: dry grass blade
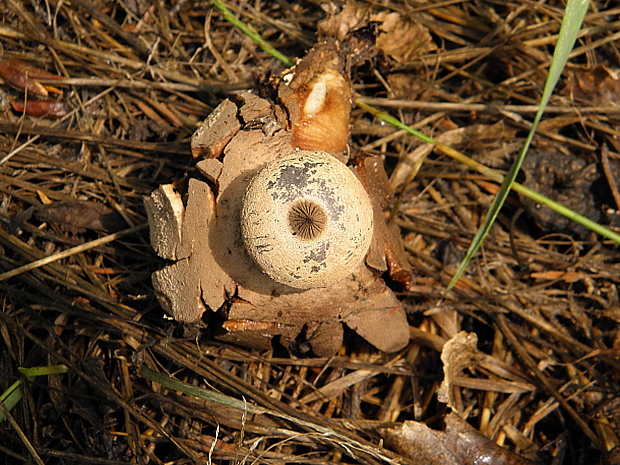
67,253
20,433
338,438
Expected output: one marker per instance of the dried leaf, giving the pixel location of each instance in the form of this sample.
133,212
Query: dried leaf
78,215
339,23
458,444
23,76
47,108
458,353
401,38
596,86
612,457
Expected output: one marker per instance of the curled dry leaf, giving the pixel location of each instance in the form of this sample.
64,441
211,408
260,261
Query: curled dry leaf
457,444
47,108
24,76
349,25
460,352
212,274
398,36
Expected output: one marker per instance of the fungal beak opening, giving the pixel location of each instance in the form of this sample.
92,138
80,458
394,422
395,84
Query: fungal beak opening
307,220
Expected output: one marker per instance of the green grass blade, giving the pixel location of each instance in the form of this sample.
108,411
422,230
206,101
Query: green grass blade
530,194
200,393
13,394
394,122
573,18
33,372
495,175
11,397
249,31
213,396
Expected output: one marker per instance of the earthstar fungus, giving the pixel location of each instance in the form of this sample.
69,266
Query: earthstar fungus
268,178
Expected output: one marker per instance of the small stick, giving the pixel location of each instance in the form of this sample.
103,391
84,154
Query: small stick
67,253
610,176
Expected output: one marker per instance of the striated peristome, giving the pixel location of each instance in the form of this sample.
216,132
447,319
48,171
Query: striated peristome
306,220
